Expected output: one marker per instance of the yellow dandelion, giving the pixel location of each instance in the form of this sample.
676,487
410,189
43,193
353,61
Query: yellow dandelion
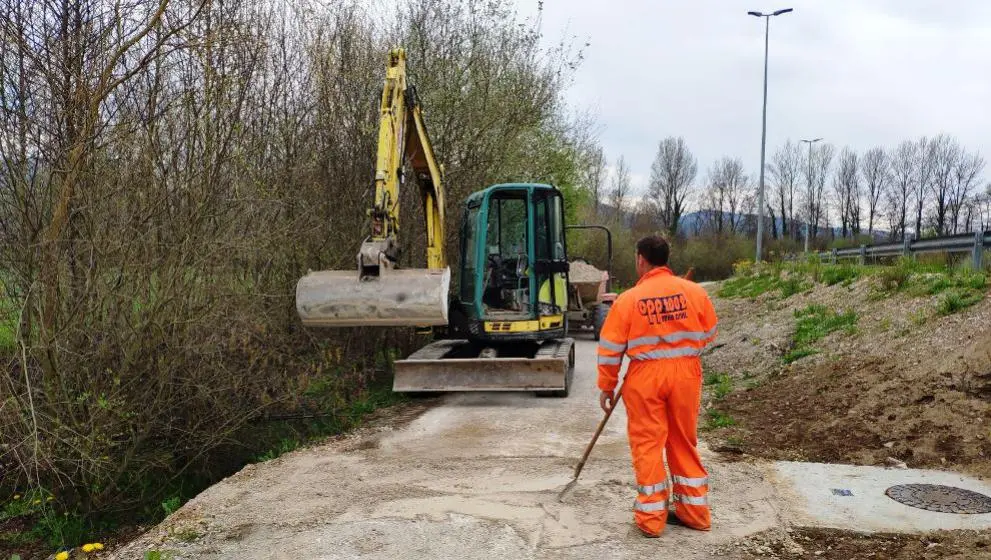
87,548
97,546
17,496
62,556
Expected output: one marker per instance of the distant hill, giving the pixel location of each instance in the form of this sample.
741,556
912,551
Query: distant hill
693,222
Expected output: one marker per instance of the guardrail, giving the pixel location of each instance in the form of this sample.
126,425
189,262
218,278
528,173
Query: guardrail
974,243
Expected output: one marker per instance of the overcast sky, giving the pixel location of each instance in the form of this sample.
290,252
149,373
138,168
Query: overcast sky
855,72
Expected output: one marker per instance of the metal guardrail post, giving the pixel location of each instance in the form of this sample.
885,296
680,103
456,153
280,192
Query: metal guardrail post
978,250
833,260
907,246
863,255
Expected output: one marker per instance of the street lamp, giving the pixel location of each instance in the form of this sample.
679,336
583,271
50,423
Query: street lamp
763,133
809,142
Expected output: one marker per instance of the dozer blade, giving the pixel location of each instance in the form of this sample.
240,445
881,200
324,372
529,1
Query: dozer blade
456,365
394,298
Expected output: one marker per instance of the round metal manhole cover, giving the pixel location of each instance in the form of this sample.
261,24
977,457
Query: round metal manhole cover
945,499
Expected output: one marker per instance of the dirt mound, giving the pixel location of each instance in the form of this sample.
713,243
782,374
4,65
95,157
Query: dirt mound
907,386
829,544
580,272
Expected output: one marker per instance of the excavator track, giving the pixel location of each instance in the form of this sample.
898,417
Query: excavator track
460,365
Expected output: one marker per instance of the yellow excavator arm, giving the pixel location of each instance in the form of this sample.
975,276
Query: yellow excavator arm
402,135
381,293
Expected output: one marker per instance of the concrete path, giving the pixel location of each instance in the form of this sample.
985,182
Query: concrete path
476,477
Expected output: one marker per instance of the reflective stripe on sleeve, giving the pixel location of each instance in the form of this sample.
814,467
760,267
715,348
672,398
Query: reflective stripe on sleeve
611,346
610,361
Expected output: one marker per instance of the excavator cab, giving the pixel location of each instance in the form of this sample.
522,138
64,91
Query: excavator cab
514,268
509,304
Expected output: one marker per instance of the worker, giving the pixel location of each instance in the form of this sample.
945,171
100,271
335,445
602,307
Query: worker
662,325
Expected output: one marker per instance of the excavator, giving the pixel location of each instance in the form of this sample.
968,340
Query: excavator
503,325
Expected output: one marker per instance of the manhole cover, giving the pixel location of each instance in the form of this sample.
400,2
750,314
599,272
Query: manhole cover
945,499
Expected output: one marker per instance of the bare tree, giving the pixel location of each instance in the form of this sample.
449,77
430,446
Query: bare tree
875,168
785,170
728,186
965,178
925,156
946,154
595,177
620,186
671,176
904,173
816,175
846,188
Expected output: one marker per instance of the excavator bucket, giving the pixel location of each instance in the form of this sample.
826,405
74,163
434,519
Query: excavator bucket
393,298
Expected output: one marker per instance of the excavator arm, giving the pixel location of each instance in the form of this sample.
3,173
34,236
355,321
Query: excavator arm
402,136
380,292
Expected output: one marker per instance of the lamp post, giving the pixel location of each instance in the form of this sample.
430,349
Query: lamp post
809,142
763,133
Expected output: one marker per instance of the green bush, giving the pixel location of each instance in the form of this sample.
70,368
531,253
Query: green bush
712,257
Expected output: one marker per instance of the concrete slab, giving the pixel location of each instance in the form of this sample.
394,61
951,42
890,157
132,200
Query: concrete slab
810,500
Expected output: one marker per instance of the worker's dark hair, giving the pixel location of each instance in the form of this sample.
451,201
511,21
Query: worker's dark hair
654,249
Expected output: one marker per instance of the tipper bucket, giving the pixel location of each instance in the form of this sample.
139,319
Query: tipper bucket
395,297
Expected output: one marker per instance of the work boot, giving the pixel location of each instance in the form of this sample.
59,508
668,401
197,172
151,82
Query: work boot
646,533
673,519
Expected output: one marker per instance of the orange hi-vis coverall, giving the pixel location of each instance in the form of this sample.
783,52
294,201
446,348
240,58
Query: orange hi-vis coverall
662,324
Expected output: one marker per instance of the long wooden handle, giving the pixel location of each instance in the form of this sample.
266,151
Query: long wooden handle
602,424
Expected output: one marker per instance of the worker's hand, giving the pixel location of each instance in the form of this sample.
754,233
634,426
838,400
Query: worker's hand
606,400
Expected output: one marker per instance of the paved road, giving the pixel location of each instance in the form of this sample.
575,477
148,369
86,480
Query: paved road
476,477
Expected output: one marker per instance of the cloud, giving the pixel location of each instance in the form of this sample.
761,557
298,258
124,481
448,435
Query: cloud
855,73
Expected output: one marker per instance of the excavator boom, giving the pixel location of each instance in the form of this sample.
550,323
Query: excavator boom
379,292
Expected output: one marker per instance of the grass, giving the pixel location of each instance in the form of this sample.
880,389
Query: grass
287,445
722,383
8,321
717,419
813,323
754,284
49,527
842,274
284,436
171,505
958,300
798,354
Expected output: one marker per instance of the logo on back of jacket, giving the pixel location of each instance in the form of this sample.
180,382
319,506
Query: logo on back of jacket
663,309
